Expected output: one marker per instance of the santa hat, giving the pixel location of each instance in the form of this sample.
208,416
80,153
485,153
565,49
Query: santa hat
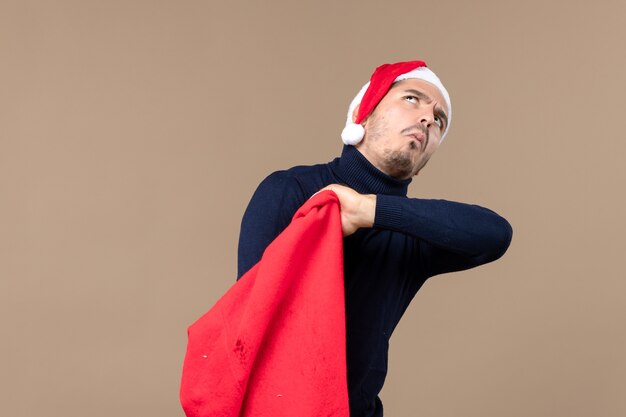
378,85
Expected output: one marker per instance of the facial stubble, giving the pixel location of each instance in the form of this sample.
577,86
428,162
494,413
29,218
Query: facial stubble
398,163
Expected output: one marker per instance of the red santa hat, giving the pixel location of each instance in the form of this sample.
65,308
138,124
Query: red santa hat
381,81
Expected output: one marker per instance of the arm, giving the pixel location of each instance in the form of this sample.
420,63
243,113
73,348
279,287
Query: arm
455,236
269,212
458,236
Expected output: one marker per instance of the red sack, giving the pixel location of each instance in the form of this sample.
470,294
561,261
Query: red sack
275,344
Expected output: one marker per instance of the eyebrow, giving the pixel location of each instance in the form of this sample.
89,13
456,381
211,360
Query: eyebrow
438,110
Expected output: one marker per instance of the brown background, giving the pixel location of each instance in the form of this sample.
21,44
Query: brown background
133,133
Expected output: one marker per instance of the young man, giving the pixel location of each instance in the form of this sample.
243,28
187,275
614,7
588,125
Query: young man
392,243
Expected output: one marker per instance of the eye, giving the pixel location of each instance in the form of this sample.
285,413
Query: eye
441,122
412,99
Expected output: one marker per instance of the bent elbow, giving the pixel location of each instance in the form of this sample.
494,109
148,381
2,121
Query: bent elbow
497,242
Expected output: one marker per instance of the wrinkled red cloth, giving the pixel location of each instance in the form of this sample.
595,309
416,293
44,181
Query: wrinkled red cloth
275,344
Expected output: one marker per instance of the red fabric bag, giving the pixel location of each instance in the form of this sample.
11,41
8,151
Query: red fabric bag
275,344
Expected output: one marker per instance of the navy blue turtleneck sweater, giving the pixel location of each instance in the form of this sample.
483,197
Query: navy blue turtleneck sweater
384,267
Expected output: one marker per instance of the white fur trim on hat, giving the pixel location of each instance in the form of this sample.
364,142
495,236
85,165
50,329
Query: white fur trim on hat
353,133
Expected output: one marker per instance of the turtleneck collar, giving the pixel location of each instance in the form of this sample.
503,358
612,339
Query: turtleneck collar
355,171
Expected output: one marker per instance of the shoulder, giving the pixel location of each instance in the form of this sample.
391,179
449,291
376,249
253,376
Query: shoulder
307,179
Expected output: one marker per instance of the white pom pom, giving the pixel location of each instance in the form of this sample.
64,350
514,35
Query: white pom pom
352,134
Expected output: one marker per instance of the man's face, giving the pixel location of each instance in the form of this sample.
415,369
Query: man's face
405,129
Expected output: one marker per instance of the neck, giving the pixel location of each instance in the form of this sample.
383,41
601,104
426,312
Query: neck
387,168
357,172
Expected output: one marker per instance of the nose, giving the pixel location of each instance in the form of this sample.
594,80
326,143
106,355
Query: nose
427,117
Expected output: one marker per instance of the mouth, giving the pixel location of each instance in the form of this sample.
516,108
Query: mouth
417,140
418,136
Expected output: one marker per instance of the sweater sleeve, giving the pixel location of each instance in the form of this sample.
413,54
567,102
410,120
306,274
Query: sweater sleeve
453,236
269,212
